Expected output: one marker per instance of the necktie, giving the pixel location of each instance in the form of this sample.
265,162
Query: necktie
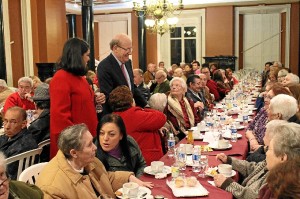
125,75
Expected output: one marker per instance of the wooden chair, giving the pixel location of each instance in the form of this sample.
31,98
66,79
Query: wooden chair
30,174
25,159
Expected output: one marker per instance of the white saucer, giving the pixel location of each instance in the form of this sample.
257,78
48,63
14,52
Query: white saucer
228,136
217,147
241,120
240,127
166,170
142,190
208,172
233,173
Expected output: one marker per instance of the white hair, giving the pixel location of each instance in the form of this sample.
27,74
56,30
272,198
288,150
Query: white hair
286,105
282,72
162,72
3,83
26,79
182,82
272,125
158,101
293,78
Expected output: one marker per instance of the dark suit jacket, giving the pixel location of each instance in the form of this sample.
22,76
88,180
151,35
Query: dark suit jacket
110,76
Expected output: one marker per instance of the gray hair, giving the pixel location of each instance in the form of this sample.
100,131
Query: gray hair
2,160
271,126
287,140
140,71
283,72
294,78
162,72
3,83
70,138
286,105
182,82
26,80
278,63
116,41
158,101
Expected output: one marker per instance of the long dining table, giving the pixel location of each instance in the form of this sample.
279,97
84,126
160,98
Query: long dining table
239,150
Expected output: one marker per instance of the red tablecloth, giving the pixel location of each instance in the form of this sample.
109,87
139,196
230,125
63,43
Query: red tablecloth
239,150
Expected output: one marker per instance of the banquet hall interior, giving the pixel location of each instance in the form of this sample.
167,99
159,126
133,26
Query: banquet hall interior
243,33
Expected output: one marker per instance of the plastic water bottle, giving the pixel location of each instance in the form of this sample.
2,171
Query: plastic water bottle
233,133
245,118
196,159
182,157
171,145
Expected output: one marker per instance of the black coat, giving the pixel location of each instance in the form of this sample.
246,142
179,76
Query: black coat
110,76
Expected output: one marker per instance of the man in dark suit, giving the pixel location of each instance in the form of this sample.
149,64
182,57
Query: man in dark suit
116,70
196,94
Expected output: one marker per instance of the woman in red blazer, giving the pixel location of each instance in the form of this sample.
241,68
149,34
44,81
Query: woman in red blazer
141,124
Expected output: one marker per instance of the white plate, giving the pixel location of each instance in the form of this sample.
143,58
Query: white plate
240,127
228,136
217,148
219,107
166,170
142,190
233,173
241,120
197,136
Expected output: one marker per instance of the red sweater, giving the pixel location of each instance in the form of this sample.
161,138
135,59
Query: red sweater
213,89
71,102
143,126
14,99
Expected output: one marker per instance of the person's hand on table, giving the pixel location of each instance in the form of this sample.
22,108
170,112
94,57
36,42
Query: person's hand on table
219,179
199,105
222,157
132,178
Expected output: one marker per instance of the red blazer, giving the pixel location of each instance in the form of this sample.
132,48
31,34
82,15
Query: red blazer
143,126
71,102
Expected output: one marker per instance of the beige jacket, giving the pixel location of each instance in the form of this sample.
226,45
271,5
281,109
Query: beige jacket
59,180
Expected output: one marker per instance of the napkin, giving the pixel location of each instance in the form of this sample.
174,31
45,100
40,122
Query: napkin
208,137
212,183
186,191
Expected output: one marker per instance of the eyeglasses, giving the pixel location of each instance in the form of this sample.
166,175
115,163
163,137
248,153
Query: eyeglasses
126,49
5,177
13,122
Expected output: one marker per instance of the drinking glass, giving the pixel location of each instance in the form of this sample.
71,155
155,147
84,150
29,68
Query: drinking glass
204,165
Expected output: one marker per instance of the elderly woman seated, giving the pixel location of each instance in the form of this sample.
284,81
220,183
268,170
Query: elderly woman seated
142,124
256,129
283,181
10,189
284,146
180,110
116,150
76,173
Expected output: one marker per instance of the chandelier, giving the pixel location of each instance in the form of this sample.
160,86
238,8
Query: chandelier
160,14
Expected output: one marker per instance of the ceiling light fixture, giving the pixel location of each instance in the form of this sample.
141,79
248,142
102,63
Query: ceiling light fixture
160,14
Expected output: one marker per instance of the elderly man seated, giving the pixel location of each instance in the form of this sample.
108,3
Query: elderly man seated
22,98
16,189
195,92
162,83
17,138
139,82
283,147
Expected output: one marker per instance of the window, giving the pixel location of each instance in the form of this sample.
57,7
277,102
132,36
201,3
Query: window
183,44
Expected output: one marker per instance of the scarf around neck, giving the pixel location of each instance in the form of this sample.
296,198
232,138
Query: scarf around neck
175,108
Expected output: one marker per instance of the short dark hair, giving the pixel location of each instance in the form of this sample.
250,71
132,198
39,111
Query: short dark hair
217,76
270,63
196,62
191,79
18,109
118,121
120,99
71,59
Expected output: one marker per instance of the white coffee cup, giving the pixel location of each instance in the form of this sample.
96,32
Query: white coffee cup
157,166
225,169
130,190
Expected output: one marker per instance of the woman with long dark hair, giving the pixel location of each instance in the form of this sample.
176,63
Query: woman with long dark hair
116,150
72,99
